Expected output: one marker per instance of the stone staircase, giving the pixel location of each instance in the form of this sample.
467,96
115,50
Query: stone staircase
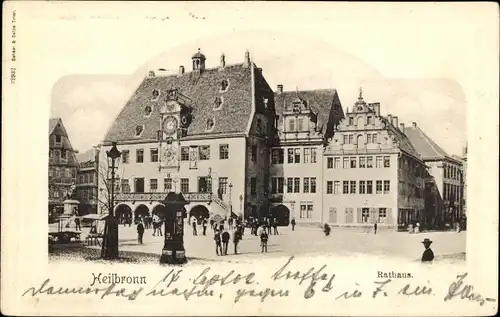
225,208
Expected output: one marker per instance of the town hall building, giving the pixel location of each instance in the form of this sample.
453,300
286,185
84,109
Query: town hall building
233,146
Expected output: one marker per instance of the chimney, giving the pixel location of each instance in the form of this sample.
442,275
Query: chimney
246,62
389,116
222,61
181,70
280,89
376,108
396,121
402,127
151,73
414,124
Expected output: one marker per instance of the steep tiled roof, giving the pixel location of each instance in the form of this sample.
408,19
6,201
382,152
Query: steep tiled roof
86,156
56,127
404,142
321,102
202,89
52,124
424,144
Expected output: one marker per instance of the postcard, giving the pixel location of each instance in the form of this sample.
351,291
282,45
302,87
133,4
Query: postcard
249,158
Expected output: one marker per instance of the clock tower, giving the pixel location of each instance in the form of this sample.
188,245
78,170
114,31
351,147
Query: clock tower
175,118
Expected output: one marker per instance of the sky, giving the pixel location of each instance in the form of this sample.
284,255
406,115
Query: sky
94,60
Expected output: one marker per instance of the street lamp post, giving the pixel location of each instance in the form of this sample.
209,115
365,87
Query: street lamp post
110,242
230,201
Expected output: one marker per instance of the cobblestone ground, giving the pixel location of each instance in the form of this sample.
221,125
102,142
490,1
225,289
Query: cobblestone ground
306,240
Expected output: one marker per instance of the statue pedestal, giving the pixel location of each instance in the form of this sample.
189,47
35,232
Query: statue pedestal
69,206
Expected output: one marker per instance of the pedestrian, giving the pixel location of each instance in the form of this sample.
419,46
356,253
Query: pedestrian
293,223
459,228
195,232
205,223
417,228
327,229
221,226
230,223
217,239
375,228
212,223
269,225
160,223
428,255
155,226
263,240
236,239
77,224
140,232
255,227
225,241
275,226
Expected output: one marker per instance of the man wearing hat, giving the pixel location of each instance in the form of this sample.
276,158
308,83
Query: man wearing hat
428,255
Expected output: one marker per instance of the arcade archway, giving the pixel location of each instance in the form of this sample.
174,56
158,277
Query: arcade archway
159,210
141,212
282,215
123,213
199,212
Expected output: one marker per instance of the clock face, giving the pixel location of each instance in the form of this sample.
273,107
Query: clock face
170,124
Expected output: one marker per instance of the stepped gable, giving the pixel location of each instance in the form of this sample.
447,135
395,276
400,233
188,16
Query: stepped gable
321,102
424,144
404,142
201,88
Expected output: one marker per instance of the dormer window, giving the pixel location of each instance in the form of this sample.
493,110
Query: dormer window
224,84
351,120
138,130
218,103
291,124
300,124
156,94
210,124
147,111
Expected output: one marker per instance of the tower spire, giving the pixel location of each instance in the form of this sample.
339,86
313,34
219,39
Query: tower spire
360,98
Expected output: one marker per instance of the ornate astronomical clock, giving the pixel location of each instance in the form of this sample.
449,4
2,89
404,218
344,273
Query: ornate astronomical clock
173,126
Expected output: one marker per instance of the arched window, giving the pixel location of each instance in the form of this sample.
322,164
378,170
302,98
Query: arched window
139,129
156,94
360,141
210,124
218,102
223,85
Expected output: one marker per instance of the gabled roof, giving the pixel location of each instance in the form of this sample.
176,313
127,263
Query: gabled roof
52,124
56,127
201,88
404,142
86,156
424,144
321,102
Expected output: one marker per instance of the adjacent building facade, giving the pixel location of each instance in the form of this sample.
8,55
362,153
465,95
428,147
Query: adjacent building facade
444,190
62,166
371,172
87,181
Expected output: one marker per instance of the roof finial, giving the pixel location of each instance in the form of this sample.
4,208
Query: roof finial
360,98
297,90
